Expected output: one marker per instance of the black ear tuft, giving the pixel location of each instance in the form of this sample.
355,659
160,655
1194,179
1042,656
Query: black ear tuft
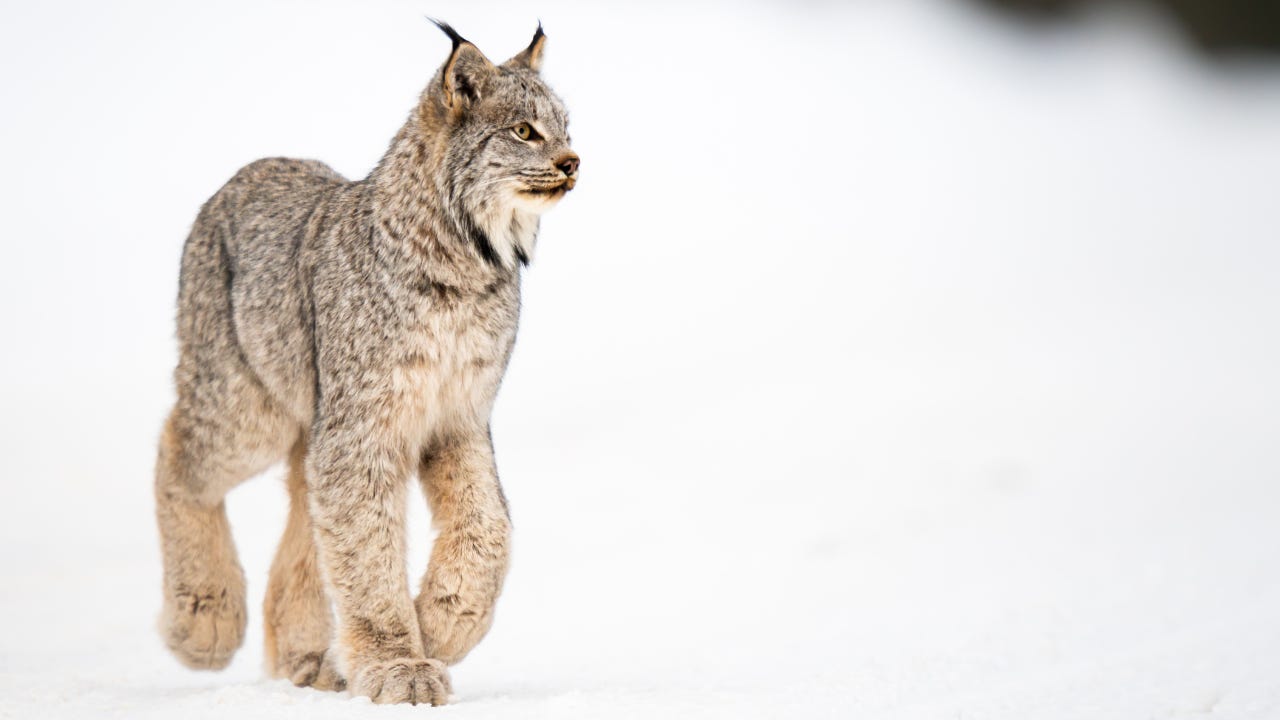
466,73
453,34
531,57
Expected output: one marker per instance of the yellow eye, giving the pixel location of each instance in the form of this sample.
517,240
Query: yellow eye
523,131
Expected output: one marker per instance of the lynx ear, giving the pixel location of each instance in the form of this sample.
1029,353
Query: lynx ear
465,73
531,57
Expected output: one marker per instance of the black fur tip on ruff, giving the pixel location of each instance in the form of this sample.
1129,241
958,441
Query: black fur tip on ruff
484,246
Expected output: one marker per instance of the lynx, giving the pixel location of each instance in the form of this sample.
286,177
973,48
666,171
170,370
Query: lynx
360,330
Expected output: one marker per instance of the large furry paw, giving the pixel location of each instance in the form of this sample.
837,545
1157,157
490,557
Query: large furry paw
311,670
204,629
450,627
403,681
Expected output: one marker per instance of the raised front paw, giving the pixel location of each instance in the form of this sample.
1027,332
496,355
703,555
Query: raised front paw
403,681
204,629
450,625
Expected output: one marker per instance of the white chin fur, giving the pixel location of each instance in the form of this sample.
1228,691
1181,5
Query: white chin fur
535,204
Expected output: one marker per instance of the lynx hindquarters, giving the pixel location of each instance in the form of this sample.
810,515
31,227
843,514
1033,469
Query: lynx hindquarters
203,618
362,328
218,435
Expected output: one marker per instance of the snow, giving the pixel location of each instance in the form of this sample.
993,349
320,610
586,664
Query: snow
889,360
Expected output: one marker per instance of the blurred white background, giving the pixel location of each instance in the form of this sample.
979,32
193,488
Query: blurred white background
890,360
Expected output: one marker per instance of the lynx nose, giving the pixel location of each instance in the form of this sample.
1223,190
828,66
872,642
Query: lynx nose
568,164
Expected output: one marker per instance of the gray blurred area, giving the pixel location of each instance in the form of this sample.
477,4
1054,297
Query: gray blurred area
1217,28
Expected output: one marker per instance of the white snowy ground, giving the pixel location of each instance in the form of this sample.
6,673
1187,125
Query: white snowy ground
889,362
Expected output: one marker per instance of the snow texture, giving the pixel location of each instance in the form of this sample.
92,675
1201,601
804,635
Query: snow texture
889,361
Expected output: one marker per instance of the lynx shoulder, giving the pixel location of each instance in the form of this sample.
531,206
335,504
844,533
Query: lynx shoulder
360,330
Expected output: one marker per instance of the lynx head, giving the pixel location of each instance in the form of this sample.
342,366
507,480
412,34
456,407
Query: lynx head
501,142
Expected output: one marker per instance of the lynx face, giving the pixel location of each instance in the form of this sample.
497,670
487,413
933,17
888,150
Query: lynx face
521,142
508,158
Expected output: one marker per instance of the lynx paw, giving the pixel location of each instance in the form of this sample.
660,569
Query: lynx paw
312,670
449,632
204,629
450,628
403,681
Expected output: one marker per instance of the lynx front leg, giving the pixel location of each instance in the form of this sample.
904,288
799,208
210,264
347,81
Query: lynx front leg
357,504
296,611
469,559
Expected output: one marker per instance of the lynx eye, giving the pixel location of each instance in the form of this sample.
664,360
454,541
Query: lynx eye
525,131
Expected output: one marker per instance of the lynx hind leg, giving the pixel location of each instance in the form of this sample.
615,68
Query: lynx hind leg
297,616
203,616
469,559
223,430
